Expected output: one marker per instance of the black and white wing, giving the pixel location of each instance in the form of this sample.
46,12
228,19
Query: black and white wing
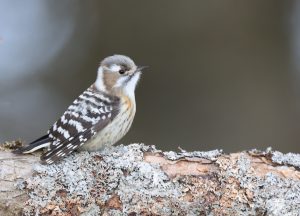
86,116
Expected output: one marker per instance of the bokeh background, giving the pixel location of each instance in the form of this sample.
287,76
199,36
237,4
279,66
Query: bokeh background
223,74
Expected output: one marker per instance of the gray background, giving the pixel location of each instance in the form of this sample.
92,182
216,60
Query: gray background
223,74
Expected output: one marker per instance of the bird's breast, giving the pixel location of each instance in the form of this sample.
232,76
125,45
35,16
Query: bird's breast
116,129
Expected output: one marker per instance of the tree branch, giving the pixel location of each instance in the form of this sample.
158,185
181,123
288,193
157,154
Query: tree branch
140,180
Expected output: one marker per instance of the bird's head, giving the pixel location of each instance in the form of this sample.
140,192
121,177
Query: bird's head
118,74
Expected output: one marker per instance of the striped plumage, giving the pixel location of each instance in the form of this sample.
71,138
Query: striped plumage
99,117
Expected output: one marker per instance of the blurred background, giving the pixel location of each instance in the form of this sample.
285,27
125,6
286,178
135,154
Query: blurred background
223,74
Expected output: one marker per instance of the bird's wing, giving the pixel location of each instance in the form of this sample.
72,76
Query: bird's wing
87,115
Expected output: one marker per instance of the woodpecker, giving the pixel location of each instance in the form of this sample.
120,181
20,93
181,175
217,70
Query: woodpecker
99,117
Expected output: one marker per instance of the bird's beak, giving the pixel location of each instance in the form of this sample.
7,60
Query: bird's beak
140,68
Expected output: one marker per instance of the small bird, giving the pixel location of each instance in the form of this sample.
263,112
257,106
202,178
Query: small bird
99,117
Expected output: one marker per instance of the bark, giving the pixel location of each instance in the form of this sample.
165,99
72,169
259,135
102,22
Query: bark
141,180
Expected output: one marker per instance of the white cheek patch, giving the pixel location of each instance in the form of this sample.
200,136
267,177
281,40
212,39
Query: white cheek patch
115,68
121,81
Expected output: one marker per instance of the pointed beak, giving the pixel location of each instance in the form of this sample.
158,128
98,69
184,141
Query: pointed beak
140,68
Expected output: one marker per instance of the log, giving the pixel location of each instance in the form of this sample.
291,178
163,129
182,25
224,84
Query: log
140,180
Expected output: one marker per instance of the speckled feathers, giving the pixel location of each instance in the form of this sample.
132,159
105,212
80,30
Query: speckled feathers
99,117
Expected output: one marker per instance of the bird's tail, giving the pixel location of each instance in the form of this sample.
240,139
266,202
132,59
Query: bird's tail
42,142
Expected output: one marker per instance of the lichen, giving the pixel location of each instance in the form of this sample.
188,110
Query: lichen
210,155
267,195
289,159
120,170
277,196
118,181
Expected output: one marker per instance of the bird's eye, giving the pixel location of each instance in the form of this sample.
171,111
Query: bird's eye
122,71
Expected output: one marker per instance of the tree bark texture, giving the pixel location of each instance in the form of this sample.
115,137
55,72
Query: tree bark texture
141,180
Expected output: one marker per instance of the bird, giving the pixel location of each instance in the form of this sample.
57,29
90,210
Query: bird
97,118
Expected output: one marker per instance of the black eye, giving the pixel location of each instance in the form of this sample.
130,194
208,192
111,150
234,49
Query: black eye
122,71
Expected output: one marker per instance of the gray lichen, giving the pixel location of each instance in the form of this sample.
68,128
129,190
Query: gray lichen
268,195
289,159
120,170
278,196
210,155
118,181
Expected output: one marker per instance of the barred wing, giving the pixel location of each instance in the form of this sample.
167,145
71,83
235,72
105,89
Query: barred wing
87,115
